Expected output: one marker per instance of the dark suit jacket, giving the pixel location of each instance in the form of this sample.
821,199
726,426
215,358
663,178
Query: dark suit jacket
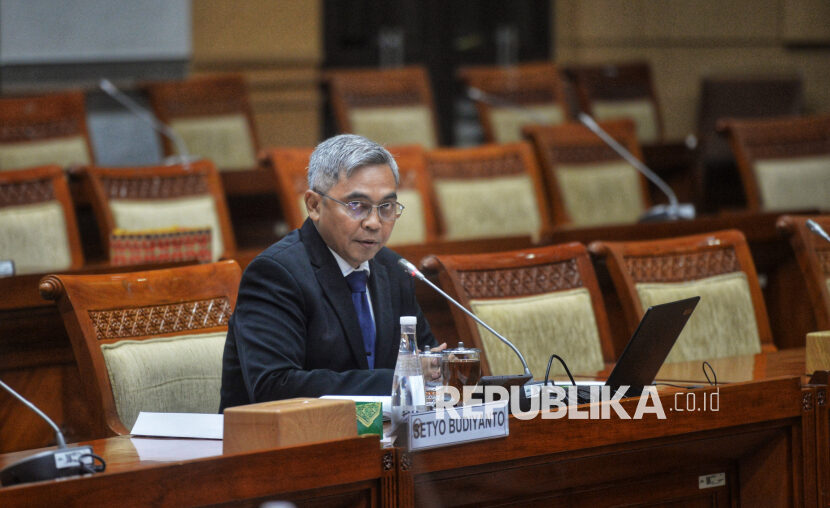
295,332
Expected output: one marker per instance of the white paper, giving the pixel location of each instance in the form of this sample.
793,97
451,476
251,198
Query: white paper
386,401
172,450
194,425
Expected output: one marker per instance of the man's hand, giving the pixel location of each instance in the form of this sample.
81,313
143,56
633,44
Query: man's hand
440,348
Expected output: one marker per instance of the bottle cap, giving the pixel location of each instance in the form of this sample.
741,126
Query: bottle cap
409,320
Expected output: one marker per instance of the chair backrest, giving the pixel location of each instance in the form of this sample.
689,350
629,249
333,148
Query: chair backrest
587,182
545,300
38,229
621,90
813,255
147,341
731,318
390,106
212,116
418,224
784,162
488,191
528,93
160,197
45,129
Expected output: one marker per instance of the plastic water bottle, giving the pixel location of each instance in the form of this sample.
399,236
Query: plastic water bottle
408,382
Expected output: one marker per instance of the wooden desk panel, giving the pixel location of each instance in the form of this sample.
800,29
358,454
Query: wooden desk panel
756,439
339,473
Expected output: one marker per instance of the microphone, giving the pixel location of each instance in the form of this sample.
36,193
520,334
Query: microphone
815,228
673,210
50,464
183,156
414,272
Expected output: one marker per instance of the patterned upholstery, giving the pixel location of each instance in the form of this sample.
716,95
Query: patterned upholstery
640,110
410,227
179,374
507,122
723,323
561,322
63,151
600,193
34,236
395,125
193,211
467,206
224,139
793,184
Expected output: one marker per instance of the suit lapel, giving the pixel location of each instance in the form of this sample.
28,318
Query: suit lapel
386,343
335,290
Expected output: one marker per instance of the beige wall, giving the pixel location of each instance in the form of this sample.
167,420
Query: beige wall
685,40
278,46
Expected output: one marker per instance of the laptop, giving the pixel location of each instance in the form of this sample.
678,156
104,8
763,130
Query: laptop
647,349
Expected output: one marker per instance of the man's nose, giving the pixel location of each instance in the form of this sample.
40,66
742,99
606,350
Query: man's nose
372,221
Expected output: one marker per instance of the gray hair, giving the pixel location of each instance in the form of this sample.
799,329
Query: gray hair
345,153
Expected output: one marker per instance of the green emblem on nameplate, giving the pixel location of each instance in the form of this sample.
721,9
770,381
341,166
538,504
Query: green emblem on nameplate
369,418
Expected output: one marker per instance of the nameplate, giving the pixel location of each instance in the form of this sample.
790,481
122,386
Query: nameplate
452,426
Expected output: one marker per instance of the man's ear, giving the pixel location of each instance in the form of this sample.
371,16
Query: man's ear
313,202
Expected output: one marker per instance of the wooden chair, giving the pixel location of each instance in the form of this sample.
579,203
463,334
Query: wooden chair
38,229
46,129
718,183
813,255
528,93
488,191
213,117
545,300
390,106
620,90
147,341
587,182
417,224
784,162
158,197
731,318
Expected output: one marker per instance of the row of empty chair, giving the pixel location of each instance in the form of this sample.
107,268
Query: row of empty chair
154,339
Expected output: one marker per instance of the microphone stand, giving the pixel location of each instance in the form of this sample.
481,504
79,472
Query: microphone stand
183,156
815,228
414,272
49,464
674,210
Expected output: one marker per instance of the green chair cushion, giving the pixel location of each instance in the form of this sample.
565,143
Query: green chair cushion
65,152
224,139
399,125
180,374
601,193
723,324
562,322
34,237
794,184
508,122
192,211
641,111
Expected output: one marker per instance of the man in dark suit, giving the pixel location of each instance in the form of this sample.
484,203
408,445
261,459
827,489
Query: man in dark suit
298,329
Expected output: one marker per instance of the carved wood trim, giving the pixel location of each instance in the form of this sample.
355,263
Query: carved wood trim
525,281
155,188
682,267
821,397
25,193
33,130
807,401
508,165
160,319
581,154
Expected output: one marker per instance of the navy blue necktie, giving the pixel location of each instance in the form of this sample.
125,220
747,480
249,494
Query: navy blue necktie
357,283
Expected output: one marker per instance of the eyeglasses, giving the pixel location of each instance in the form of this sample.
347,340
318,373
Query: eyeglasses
388,211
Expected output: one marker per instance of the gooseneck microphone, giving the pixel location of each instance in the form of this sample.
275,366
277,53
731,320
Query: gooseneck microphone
51,464
414,272
183,156
815,228
674,210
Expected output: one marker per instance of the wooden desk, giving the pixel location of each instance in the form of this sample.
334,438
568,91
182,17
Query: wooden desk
736,369
352,472
762,439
